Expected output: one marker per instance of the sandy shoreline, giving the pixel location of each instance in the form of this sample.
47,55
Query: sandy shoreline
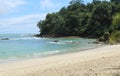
102,61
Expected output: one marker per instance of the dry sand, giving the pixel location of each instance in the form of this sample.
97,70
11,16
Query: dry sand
102,61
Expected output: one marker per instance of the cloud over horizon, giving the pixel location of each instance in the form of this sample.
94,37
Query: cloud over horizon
10,5
22,19
21,24
23,15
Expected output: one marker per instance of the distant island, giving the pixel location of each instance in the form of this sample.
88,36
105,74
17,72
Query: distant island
99,19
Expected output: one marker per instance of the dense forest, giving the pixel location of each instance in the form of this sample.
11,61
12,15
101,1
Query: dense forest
99,19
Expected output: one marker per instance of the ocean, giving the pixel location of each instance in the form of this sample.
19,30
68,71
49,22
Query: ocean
22,46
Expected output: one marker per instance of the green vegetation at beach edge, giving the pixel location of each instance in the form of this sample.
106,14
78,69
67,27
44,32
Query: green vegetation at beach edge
99,19
114,37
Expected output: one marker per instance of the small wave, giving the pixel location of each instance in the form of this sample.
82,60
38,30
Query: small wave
65,42
46,53
57,43
13,57
26,38
70,41
22,35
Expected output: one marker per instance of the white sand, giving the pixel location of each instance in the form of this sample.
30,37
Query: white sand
103,61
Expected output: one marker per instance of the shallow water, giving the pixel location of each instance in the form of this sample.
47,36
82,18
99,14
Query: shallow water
25,46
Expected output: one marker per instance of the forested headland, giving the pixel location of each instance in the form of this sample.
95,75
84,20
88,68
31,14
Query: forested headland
98,19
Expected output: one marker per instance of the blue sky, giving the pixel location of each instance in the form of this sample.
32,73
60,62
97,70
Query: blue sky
21,16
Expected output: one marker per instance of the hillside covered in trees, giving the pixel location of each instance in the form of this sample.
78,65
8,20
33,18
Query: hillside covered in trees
96,19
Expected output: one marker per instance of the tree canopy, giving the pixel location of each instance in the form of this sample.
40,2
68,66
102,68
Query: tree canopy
85,20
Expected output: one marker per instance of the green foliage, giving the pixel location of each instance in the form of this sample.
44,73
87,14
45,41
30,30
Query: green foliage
53,25
116,1
115,8
96,1
116,21
114,37
96,19
101,19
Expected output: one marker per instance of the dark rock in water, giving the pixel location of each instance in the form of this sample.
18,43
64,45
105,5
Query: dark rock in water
96,42
101,39
5,39
76,42
56,41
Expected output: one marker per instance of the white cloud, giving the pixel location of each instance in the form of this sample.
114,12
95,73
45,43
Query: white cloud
23,24
49,4
9,5
22,19
46,4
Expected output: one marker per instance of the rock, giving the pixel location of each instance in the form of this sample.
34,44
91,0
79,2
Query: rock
56,41
96,42
5,39
76,42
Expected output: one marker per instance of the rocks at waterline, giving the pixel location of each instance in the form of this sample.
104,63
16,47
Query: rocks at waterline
4,39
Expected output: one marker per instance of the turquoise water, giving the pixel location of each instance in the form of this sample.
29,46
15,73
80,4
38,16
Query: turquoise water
25,46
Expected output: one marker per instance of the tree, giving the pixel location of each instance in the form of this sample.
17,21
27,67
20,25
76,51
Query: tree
116,22
83,23
100,19
116,1
115,8
62,11
72,21
96,1
58,26
52,26
90,7
95,19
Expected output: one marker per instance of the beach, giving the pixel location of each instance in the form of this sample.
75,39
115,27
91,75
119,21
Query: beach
101,61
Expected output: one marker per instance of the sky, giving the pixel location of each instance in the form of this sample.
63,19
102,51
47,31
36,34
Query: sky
22,16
